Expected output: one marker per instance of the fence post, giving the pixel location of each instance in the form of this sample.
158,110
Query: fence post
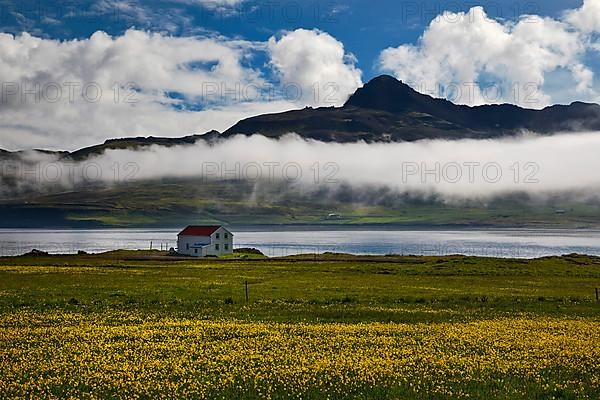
246,283
597,295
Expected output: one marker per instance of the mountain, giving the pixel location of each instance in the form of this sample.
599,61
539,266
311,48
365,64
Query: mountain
383,110
131,143
179,202
386,109
388,94
137,143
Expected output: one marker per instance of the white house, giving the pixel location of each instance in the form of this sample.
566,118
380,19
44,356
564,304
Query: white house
202,241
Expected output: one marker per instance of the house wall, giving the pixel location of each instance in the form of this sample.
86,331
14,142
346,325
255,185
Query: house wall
218,244
192,245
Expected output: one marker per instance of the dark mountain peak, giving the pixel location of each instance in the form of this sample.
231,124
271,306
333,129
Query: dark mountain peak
384,79
387,109
389,94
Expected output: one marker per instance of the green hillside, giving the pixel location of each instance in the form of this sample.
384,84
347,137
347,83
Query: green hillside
177,202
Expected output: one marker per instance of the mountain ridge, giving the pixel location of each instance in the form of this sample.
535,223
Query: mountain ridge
386,108
383,110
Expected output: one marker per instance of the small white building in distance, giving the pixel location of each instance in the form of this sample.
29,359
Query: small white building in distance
202,241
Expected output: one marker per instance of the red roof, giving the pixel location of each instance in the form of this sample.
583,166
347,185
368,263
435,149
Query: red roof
199,230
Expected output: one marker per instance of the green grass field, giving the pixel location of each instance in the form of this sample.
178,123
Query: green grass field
138,324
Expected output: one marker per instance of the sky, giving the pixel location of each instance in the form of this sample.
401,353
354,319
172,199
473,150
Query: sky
75,73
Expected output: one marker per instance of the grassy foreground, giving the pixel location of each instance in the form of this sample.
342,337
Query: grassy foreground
141,325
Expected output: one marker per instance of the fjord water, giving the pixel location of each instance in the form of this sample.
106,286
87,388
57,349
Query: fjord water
513,243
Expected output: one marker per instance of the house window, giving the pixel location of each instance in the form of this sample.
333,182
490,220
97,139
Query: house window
226,236
217,246
218,235
226,246
195,251
187,246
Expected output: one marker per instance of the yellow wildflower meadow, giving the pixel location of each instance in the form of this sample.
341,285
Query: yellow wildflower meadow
126,355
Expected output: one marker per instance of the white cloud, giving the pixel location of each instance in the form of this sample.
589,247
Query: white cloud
167,75
201,70
471,48
586,18
456,170
313,59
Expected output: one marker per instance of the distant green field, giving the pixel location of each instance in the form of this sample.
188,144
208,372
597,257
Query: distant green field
139,324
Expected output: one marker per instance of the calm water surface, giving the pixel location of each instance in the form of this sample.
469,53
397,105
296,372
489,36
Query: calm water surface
493,243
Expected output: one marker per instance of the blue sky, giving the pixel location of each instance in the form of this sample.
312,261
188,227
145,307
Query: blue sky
364,27
167,68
